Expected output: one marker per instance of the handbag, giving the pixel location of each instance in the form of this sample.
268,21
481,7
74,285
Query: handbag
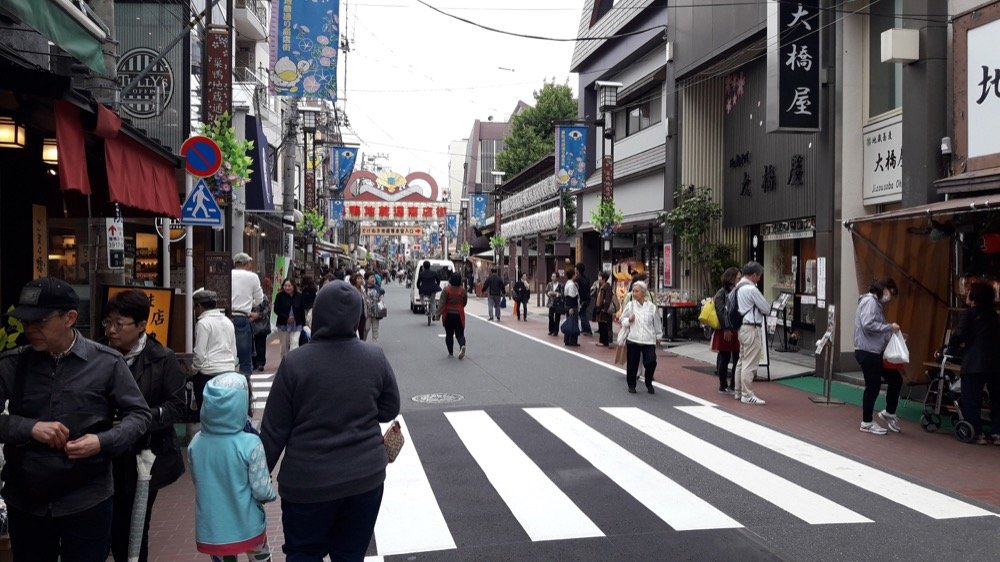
571,326
896,353
709,316
613,305
380,310
503,302
393,440
559,305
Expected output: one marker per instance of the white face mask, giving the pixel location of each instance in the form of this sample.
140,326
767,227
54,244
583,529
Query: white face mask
886,297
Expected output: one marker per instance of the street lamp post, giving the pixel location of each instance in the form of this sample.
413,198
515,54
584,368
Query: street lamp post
309,171
498,176
607,101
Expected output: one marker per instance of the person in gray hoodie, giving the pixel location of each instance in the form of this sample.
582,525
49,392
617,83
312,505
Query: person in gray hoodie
323,413
871,336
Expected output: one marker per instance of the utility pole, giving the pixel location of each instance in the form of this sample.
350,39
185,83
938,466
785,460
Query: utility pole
288,178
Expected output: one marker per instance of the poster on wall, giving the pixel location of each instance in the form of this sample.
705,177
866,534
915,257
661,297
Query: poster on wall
668,265
160,300
305,37
793,81
883,162
571,156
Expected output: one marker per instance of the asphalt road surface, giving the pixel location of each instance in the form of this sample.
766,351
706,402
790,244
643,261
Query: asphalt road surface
523,451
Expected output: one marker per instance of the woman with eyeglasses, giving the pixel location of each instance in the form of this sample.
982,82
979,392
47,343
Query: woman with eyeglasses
161,382
291,316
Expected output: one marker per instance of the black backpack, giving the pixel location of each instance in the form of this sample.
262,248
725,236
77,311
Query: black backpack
731,319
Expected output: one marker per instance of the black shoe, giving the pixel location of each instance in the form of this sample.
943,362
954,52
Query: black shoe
650,389
631,390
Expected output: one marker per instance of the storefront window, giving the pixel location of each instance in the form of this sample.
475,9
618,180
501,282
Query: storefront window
885,80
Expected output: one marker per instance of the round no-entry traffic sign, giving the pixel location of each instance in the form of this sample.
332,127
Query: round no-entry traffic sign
202,157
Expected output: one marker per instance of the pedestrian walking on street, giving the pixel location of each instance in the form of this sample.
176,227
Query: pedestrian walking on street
262,329
640,318
247,294
308,288
571,326
214,341
752,308
583,286
231,476
725,340
978,339
358,282
161,381
322,420
522,294
373,298
452,307
72,406
604,309
291,316
555,302
871,336
495,292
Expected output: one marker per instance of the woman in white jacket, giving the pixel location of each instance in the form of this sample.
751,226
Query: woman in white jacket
644,329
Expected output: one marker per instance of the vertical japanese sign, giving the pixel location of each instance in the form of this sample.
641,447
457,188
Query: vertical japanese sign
342,159
477,209
160,301
983,87
310,189
337,212
607,178
39,241
571,156
115,230
668,265
218,86
793,88
305,36
451,221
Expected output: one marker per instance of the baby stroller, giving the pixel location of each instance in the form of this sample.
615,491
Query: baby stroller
944,392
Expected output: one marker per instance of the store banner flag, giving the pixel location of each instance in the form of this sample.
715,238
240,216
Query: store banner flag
434,239
337,212
305,36
342,160
451,221
571,156
478,209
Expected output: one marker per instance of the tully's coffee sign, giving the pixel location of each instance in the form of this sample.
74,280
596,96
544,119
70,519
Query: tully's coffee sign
793,85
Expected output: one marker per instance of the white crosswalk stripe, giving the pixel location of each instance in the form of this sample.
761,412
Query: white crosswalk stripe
260,384
542,509
916,497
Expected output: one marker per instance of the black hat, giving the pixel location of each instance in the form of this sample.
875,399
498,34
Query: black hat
44,296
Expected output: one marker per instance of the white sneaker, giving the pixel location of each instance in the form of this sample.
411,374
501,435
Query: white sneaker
891,420
752,400
872,427
461,353
736,395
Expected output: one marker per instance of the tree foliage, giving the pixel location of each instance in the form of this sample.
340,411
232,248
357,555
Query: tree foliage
531,136
692,219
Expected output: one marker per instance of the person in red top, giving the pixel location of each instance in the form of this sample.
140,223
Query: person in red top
452,310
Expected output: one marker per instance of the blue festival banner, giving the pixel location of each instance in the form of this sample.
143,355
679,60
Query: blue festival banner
305,36
478,209
435,240
342,159
451,220
337,212
571,156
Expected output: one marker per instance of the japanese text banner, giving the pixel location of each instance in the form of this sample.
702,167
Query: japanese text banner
336,212
342,160
305,35
451,220
571,156
478,209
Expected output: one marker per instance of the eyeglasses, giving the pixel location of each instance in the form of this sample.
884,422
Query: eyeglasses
116,324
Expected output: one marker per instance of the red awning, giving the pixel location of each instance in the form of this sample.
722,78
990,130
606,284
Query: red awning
70,143
137,177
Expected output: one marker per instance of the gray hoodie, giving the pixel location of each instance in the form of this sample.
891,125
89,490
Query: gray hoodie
871,331
325,405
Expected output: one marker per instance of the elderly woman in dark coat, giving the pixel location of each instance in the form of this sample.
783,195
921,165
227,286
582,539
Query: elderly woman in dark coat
978,333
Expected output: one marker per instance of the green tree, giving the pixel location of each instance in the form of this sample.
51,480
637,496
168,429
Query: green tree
531,135
693,218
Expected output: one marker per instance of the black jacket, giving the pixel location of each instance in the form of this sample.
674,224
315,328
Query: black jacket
583,284
494,285
428,282
285,304
521,291
978,333
161,381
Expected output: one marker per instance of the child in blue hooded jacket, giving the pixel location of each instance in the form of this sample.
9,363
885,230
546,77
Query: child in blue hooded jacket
231,478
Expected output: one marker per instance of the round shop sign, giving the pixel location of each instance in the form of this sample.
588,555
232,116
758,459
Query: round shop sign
151,96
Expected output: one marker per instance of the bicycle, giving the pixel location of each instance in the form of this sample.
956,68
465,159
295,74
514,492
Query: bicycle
429,304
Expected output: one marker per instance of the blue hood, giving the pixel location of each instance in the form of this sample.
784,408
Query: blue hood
224,405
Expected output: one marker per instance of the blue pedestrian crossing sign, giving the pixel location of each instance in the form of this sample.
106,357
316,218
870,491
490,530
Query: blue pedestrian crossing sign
200,208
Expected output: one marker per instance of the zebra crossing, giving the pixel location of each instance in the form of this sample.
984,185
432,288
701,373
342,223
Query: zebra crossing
416,517
260,386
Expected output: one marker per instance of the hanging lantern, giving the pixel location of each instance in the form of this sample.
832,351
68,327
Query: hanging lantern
11,133
50,152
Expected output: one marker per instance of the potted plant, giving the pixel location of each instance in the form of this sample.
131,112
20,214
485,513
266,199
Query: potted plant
465,249
606,218
235,171
11,332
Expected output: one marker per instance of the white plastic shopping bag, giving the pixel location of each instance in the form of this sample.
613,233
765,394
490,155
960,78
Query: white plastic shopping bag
896,352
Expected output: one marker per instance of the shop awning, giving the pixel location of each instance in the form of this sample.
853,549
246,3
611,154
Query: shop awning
137,177
68,26
71,147
941,208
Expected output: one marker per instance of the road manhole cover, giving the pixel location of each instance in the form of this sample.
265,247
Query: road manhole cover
437,398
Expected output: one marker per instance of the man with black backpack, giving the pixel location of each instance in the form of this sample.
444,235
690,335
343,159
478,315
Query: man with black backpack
746,309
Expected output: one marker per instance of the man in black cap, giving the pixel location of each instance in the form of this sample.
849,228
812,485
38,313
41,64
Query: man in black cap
64,393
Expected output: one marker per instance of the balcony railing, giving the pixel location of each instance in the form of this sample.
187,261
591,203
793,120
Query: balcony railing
257,7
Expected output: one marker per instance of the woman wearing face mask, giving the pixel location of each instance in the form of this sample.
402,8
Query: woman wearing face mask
871,336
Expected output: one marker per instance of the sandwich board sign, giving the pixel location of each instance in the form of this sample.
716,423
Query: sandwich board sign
200,208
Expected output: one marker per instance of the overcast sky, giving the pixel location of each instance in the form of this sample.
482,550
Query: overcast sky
416,79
